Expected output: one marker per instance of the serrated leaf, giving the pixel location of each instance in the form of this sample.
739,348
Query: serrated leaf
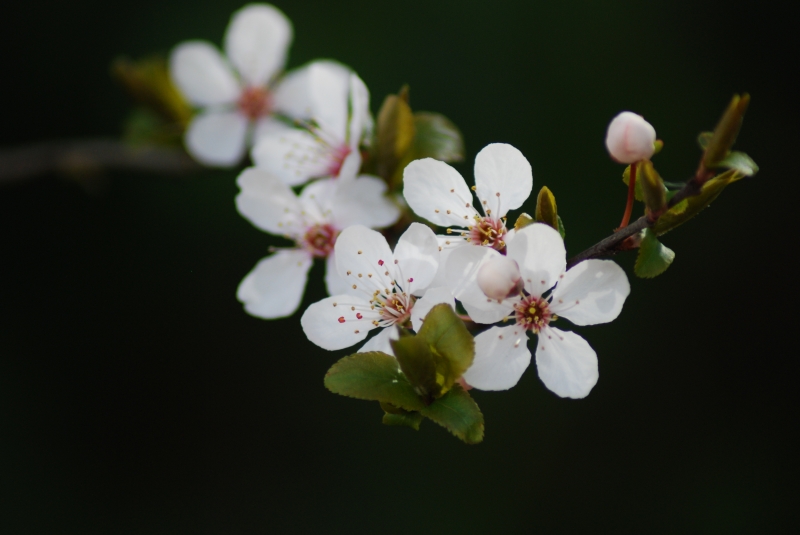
373,376
739,161
561,229
438,355
523,221
546,210
457,412
654,258
691,206
437,137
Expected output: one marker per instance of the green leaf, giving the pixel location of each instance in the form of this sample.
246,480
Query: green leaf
739,161
523,221
438,355
561,229
546,210
637,189
457,412
397,416
691,206
654,258
437,137
373,376
419,364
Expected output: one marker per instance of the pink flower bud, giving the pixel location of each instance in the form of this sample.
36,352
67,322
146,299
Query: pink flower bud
630,138
500,278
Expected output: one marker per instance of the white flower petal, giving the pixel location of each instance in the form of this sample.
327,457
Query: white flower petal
381,341
591,292
217,138
334,283
501,357
332,324
330,98
295,156
566,362
503,178
359,111
365,255
432,297
350,166
416,258
292,93
274,288
436,191
541,256
269,126
256,42
317,199
268,203
363,201
463,264
202,75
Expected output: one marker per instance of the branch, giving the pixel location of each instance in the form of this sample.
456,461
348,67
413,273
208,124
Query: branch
609,245
76,156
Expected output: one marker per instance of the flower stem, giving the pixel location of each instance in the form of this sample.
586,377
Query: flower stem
626,217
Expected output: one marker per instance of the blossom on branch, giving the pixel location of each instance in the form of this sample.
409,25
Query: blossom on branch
590,293
313,221
382,288
437,192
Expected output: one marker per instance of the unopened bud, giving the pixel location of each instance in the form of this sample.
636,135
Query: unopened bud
500,278
630,138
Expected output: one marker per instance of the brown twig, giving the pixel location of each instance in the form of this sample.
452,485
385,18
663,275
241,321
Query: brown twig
76,156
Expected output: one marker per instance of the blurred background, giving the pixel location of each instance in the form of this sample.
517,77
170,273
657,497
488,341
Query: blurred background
137,397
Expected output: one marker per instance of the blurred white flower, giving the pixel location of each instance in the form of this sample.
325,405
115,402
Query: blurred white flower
237,94
327,145
590,293
630,138
381,289
313,220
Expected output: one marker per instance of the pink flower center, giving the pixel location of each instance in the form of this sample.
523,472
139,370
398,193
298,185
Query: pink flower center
319,240
337,157
533,313
255,102
396,308
489,232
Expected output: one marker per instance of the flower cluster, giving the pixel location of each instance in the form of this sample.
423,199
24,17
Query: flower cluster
433,315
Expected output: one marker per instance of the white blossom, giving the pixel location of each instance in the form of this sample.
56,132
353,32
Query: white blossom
590,293
382,289
327,145
313,221
238,94
437,192
630,138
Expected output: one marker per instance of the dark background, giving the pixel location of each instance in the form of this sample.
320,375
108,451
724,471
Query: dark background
137,397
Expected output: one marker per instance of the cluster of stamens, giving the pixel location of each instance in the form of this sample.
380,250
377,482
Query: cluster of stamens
255,102
489,232
533,313
319,240
394,308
